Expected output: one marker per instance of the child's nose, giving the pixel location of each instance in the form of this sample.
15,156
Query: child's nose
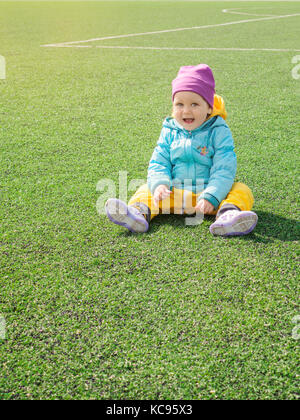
187,110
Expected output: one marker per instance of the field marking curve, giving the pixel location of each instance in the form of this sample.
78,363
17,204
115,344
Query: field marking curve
189,48
231,12
75,43
125,47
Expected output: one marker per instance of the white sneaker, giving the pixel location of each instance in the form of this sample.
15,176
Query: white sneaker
127,216
234,223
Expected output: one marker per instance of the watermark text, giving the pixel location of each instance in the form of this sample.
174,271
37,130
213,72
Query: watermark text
2,328
181,201
296,69
296,329
2,68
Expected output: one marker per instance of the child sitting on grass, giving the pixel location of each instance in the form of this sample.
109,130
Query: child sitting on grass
193,166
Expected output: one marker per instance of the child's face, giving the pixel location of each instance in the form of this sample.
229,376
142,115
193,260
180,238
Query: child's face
190,110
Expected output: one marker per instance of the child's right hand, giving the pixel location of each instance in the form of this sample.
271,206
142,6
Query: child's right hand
160,193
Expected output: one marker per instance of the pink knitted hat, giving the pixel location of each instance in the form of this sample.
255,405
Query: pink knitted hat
198,79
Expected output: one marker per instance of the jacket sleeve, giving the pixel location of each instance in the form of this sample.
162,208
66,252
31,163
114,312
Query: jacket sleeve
160,166
224,167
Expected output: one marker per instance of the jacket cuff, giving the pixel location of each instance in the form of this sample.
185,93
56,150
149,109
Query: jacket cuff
211,199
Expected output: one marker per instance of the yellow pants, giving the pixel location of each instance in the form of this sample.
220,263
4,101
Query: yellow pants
184,202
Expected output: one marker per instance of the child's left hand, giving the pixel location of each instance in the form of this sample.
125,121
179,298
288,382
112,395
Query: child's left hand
204,207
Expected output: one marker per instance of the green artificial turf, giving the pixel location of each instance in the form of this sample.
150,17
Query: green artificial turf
92,311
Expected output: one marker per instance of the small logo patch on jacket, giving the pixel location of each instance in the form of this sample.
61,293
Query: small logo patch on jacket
203,151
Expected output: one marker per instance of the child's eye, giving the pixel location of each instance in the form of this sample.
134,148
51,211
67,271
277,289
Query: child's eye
194,104
179,104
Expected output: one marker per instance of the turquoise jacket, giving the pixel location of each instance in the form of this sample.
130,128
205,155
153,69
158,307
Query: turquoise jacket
202,160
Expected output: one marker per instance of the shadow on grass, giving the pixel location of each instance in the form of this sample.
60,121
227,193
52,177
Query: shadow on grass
270,226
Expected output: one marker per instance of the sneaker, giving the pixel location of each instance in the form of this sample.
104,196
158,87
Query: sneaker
234,223
119,213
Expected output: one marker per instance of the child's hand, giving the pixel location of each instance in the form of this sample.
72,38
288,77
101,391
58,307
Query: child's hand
204,207
160,193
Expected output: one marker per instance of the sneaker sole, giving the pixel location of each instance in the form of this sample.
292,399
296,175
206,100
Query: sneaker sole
242,224
118,212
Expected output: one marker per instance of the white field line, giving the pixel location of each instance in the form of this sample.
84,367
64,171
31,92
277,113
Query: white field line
123,47
229,11
63,44
189,49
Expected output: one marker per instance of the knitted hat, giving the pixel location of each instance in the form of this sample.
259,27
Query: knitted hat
198,79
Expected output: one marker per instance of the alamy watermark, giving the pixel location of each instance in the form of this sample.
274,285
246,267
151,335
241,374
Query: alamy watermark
296,69
296,329
2,328
2,68
183,201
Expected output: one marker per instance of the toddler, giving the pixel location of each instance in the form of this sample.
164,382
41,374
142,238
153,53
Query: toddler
193,166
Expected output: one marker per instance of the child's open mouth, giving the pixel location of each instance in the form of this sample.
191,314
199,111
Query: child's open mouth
188,120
